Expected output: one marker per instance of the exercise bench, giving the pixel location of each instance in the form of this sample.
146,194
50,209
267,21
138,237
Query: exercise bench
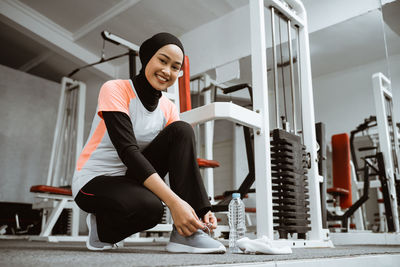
53,200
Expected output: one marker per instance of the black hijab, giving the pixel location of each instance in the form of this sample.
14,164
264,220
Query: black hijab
148,95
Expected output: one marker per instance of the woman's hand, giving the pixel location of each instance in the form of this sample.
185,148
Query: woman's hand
210,220
185,218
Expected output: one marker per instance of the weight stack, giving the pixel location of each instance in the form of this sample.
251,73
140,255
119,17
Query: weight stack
289,185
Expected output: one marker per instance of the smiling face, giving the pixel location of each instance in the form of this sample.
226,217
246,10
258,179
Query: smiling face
163,68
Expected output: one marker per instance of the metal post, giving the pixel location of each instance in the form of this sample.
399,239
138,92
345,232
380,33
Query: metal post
261,138
322,170
208,150
285,125
61,104
275,67
292,76
381,88
309,132
68,136
299,82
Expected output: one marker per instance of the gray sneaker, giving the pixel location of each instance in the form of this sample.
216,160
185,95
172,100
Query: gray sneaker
93,242
199,242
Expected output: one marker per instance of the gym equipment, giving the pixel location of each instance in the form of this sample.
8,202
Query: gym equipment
342,180
290,190
312,234
289,185
322,169
373,162
384,163
341,170
56,195
294,12
367,128
388,139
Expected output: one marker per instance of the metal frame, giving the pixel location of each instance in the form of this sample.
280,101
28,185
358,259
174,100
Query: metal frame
258,119
223,110
67,84
295,12
382,92
365,128
53,204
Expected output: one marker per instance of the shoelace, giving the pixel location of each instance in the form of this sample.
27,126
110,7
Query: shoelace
207,229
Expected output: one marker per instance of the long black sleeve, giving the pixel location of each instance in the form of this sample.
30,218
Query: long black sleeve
120,130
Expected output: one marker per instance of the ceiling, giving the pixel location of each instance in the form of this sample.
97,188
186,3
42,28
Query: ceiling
356,41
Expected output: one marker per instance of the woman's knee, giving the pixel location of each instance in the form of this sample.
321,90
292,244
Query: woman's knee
182,129
153,212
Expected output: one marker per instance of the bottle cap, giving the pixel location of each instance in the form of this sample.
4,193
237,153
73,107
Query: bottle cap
236,195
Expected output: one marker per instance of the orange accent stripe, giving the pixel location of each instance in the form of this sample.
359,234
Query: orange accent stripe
170,114
86,193
164,108
91,145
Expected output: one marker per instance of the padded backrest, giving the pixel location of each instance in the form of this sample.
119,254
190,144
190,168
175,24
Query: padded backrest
185,102
341,168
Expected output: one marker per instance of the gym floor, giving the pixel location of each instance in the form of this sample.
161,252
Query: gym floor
36,253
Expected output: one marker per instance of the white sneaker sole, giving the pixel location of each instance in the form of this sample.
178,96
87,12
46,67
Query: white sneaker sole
179,248
90,247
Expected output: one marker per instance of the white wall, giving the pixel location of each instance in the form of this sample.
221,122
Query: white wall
28,113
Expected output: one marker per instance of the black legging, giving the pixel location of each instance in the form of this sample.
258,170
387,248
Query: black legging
123,206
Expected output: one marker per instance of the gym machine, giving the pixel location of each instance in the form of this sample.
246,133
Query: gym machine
369,126
384,163
344,178
55,196
287,190
286,144
388,138
287,180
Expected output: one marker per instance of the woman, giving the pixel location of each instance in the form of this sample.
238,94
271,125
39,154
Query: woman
135,140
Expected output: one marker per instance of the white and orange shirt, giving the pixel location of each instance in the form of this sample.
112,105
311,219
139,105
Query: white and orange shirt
99,156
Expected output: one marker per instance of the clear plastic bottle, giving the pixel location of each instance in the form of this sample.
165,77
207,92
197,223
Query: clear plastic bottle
237,226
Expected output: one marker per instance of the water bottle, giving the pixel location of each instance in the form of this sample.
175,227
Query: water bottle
237,226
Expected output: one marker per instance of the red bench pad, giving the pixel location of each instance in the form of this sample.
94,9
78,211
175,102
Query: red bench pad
51,190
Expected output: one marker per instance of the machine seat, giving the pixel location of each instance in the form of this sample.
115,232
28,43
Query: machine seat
51,190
